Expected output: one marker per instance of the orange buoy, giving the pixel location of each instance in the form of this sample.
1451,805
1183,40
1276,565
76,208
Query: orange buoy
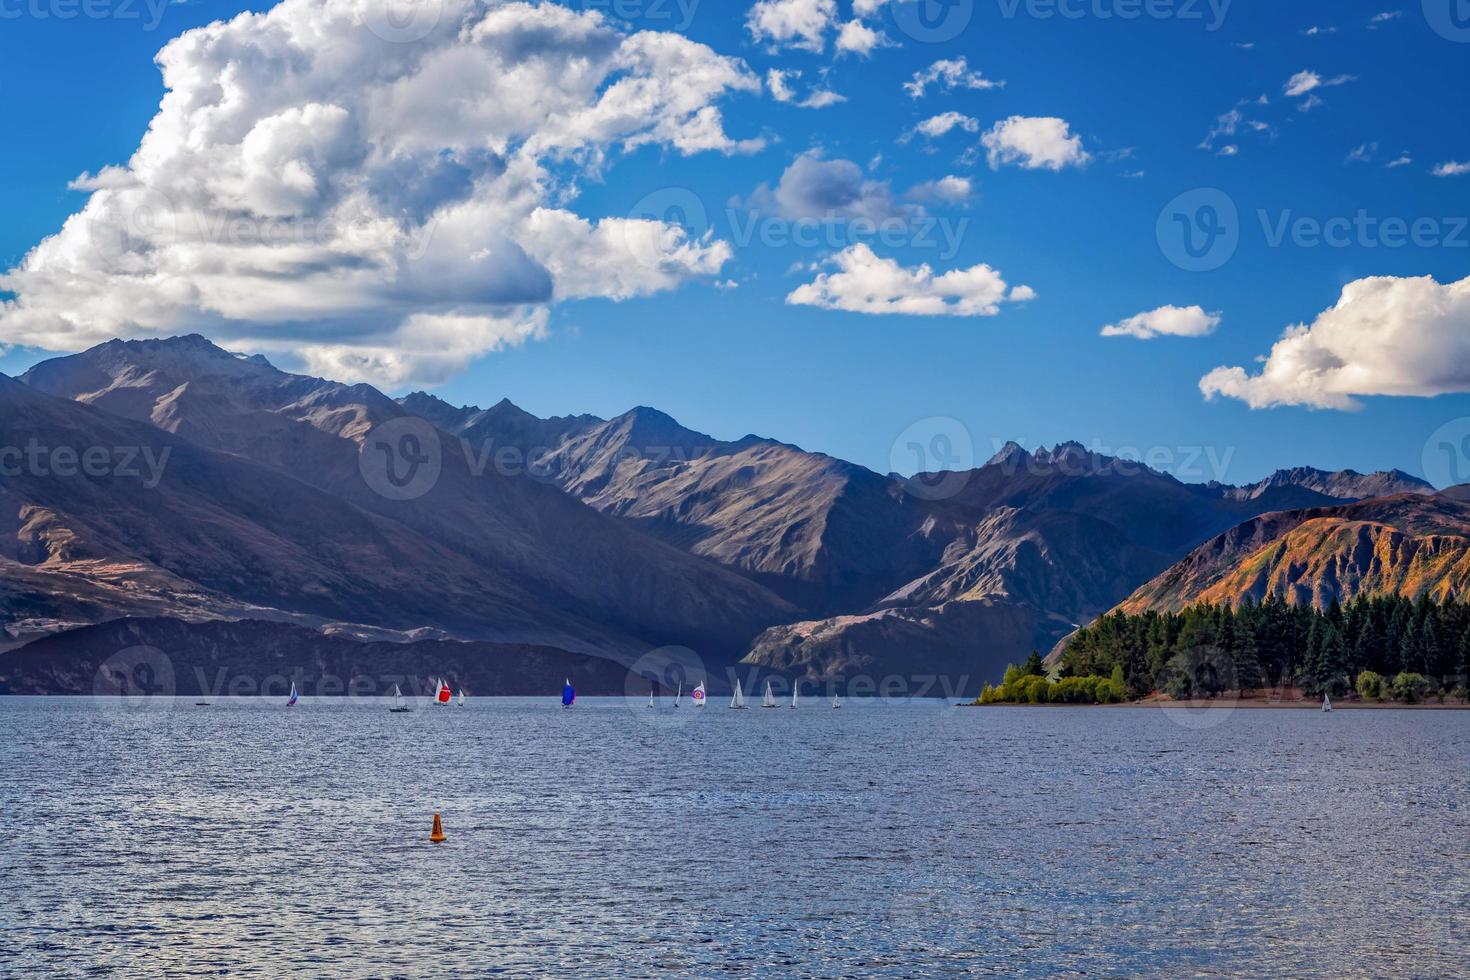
437,837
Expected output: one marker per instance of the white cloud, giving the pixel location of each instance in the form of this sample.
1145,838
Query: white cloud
855,37
618,258
1385,336
425,349
865,283
1302,82
1228,150
801,24
940,125
1231,122
1362,153
1309,81
1386,16
1452,168
945,190
1034,143
308,185
1166,321
821,99
779,81
1402,160
948,75
828,190
1226,125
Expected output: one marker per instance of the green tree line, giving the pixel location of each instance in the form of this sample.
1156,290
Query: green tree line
1382,646
1029,683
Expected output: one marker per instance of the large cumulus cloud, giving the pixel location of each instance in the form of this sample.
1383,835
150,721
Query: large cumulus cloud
1386,336
388,207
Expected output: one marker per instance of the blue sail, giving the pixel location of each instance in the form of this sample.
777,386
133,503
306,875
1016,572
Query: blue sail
568,695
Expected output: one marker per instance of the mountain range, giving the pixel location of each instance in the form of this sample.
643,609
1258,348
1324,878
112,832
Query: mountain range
1403,544
614,538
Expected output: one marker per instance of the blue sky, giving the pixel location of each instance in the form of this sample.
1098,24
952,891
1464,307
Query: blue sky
728,354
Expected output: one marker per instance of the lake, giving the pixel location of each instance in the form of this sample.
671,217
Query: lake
903,838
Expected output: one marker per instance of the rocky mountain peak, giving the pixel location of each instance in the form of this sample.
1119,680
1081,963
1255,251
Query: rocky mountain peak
1011,454
647,427
1340,485
172,360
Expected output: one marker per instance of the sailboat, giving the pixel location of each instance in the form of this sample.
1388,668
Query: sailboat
1326,702
738,701
291,703
568,694
461,697
770,699
836,701
399,707
650,698
441,693
698,695
678,694
795,691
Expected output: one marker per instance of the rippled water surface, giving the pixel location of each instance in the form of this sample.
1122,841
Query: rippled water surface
914,839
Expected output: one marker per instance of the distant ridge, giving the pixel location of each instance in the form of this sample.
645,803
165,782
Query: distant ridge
482,555
605,536
1409,544
1343,485
220,654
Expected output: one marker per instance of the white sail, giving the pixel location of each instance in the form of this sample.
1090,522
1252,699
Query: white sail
678,694
836,701
1326,703
738,701
461,696
650,699
397,697
770,701
795,692
698,695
